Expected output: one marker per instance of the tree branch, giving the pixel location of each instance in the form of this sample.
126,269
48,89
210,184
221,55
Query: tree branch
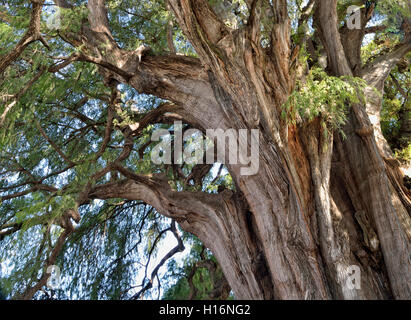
377,71
98,17
178,248
254,20
31,291
32,34
22,91
326,22
155,191
198,21
63,4
53,144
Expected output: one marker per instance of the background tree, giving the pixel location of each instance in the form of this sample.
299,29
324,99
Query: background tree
81,97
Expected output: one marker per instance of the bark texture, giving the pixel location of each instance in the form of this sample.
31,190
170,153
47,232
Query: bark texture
317,205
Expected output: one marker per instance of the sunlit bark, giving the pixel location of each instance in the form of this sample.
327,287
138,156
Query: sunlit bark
292,230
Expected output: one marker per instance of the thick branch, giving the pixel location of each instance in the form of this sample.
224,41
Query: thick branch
254,20
377,71
198,20
98,17
32,34
156,192
352,38
31,291
326,22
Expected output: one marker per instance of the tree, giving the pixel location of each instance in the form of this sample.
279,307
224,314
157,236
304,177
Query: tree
329,193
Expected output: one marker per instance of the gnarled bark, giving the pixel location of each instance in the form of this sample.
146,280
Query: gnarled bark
292,230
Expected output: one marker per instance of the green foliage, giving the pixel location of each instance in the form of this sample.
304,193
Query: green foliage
117,238
394,12
323,96
146,20
396,111
202,279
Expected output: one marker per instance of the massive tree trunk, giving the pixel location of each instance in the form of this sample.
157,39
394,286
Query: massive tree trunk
318,204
